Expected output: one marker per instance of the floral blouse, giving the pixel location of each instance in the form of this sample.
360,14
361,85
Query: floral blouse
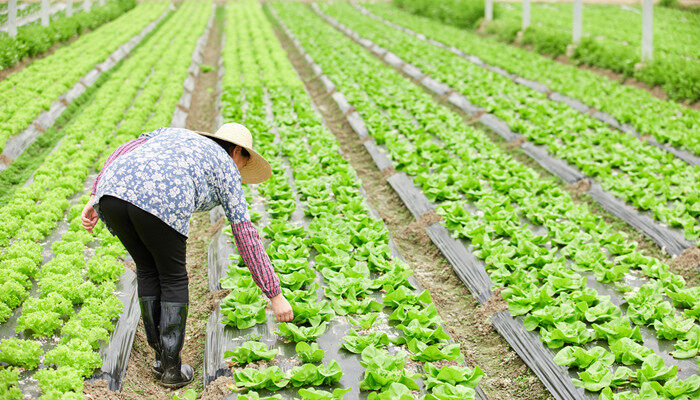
171,173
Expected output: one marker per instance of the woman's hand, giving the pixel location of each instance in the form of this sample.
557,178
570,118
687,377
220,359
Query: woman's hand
283,311
89,215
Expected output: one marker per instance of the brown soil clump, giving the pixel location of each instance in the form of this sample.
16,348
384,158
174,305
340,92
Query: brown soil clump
387,172
517,142
218,389
687,265
579,188
455,304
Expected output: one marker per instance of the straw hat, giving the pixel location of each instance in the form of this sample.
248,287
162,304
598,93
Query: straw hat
257,170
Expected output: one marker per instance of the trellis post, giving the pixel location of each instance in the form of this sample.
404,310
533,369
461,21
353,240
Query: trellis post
87,4
69,7
12,18
578,21
488,10
526,14
647,29
45,7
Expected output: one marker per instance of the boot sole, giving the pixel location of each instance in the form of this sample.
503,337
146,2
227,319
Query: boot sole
177,385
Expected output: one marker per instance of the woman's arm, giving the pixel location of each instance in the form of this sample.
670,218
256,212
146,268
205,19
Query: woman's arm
248,242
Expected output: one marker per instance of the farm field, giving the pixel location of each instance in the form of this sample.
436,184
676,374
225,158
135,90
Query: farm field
449,216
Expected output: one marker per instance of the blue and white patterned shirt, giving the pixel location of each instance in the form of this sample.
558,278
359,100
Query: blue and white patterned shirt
172,173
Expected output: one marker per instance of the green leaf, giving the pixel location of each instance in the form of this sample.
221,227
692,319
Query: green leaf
453,375
190,394
366,321
309,352
301,333
595,378
654,369
628,352
313,394
435,352
355,342
270,378
574,356
251,351
395,391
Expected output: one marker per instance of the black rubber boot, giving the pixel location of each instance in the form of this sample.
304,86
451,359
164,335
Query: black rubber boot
150,313
172,337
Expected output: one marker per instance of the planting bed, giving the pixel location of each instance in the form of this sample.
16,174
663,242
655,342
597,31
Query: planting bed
66,292
643,175
506,263
314,222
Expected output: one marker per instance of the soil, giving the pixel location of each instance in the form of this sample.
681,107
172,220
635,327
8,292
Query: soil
579,188
139,382
688,265
507,377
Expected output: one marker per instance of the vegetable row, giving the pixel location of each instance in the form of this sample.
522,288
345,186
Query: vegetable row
533,238
34,39
668,121
632,170
353,255
33,89
139,96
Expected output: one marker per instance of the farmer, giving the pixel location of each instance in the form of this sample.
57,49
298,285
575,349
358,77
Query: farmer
146,193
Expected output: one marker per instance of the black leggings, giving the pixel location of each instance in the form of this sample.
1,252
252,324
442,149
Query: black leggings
158,250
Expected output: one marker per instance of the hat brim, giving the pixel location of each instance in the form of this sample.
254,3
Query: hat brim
257,169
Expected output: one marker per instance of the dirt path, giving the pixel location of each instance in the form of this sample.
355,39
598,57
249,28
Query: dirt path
507,376
139,383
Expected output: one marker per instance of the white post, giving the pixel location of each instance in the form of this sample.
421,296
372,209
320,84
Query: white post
69,7
45,7
87,4
578,21
102,2
526,14
12,18
488,10
647,29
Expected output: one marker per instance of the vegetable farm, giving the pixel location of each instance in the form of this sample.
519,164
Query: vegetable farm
452,213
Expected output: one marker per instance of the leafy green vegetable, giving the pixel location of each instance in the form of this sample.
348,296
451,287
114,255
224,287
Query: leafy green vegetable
309,352
628,352
315,375
395,391
270,378
313,394
301,333
190,394
453,375
355,342
62,379
20,353
574,356
366,321
251,351
8,383
77,353
690,346
383,369
434,352
654,369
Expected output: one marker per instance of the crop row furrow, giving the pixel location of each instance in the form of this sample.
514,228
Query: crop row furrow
32,90
667,121
337,238
76,305
641,174
516,257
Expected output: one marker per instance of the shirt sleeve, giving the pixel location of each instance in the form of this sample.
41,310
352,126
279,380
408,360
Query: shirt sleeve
120,151
251,250
248,242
